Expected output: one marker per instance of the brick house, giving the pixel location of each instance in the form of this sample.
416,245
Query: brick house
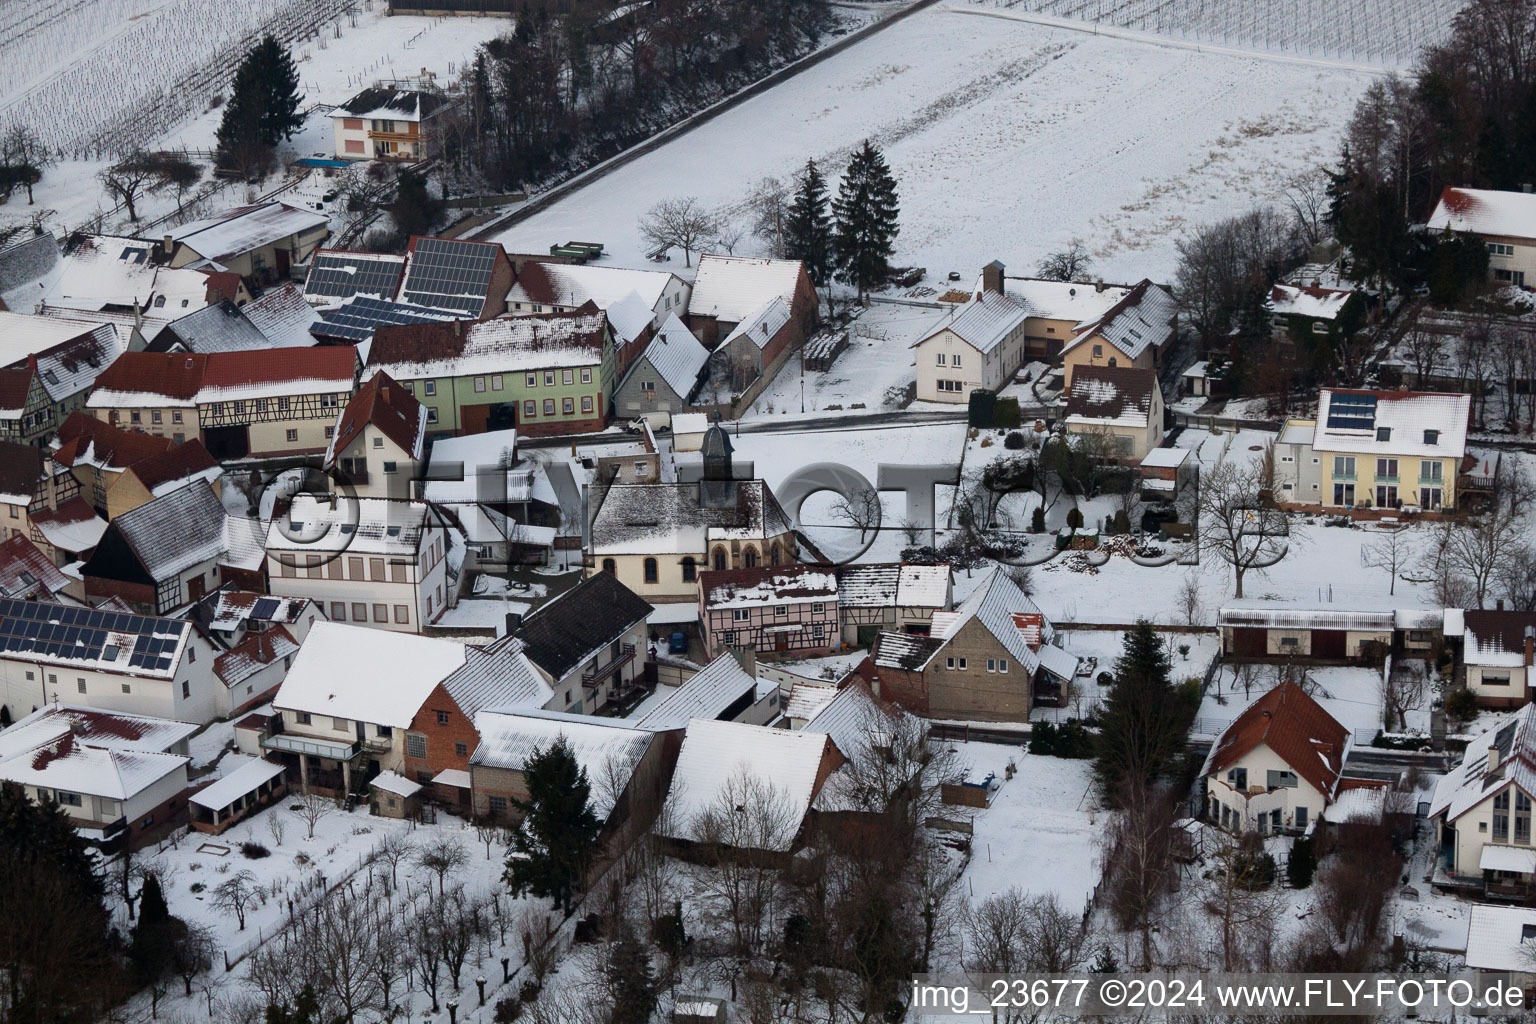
991,659
770,609
730,290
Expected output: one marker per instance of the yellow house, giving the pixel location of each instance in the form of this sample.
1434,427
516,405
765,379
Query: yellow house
1388,449
1482,810
1121,404
1134,332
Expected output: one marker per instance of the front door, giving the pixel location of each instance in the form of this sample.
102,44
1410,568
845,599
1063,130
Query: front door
474,418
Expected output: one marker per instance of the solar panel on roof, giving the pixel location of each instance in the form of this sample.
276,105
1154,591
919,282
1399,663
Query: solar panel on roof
343,275
264,608
449,274
1352,412
356,319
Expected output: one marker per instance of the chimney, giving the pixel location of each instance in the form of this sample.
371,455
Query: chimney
514,622
457,328
1527,188
1493,760
1098,285
992,277
1530,646
167,243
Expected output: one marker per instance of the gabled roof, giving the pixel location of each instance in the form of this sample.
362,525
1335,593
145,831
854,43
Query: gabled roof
1304,300
569,284
359,317
657,518
229,610
732,288
1079,302
452,273
336,274
708,694
221,327
367,675
317,524
15,387
1296,728
1352,420
1144,317
714,752
1471,782
1111,395
1496,638
983,322
59,634
1484,211
388,408
70,354
1306,618
110,730
503,345
238,231
391,104
600,746
909,652
496,676
74,526
173,532
629,317
25,571
1501,939
25,269
564,633
74,766
762,325
767,585
176,467
256,651
172,378
283,317
1003,610
146,378
88,441
850,718
677,357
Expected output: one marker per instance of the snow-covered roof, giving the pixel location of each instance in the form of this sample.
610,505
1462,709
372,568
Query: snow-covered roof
1502,939
74,526
74,766
377,526
1484,211
108,270
242,781
1359,803
1509,749
893,585
1496,639
1302,300
26,572
807,700
221,327
233,609
909,652
708,694
850,718
688,422
659,518
503,345
767,585
485,468
1418,618
1412,423
983,322
714,752
498,675
71,354
110,730
1145,316
283,317
1165,458
762,324
1296,432
244,228
174,532
679,358
1077,301
1005,612
366,675
390,782
732,288
509,740
629,317
27,269
1306,618
185,380
254,652
570,284
1196,371
386,104
1116,396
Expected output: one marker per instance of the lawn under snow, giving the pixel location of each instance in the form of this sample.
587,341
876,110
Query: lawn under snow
1006,138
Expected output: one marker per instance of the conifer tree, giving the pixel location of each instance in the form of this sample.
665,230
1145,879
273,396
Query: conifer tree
263,104
633,982
153,936
1145,719
808,230
552,844
866,210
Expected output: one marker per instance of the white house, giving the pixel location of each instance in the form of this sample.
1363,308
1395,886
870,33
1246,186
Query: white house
383,123
1505,221
105,660
1121,404
1482,810
1498,649
549,287
373,562
980,347
589,643
1276,766
377,445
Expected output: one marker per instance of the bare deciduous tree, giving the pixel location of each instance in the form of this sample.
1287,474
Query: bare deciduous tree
311,808
1391,553
860,509
1236,521
1403,689
1139,868
1306,194
393,848
1466,555
22,148
1069,264
442,856
1189,598
682,222
746,827
237,894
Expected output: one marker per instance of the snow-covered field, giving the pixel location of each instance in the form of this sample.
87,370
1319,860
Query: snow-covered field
1007,139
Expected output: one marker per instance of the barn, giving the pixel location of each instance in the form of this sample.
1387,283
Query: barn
1322,636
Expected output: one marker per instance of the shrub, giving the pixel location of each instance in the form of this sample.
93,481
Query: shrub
196,887
1122,522
508,1010
1461,705
1014,441
1303,863
1068,740
529,991
1005,412
1037,520
254,851
1106,679
1252,868
1075,518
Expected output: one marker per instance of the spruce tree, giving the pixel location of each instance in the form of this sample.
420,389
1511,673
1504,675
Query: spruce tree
1145,719
552,844
633,980
808,230
153,936
263,104
866,210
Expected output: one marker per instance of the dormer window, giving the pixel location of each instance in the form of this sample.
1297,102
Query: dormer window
1383,433
1431,437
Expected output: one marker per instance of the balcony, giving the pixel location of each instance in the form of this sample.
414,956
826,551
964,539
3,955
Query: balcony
1431,481
1393,479
393,136
1344,477
315,746
594,677
378,744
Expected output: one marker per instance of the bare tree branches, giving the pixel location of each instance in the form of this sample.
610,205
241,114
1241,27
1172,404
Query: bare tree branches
1236,521
682,222
1069,264
237,895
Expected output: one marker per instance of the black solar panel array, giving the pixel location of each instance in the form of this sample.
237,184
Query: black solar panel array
341,276
1351,412
355,319
264,607
80,634
449,274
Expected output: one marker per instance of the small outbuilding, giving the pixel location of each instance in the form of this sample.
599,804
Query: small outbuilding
392,795
238,795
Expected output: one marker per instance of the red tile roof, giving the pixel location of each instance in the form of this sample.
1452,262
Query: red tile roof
21,466
19,555
15,383
172,374
386,405
109,445
269,366
1296,728
178,463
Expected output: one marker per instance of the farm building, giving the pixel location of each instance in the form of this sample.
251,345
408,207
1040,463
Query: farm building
1321,635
